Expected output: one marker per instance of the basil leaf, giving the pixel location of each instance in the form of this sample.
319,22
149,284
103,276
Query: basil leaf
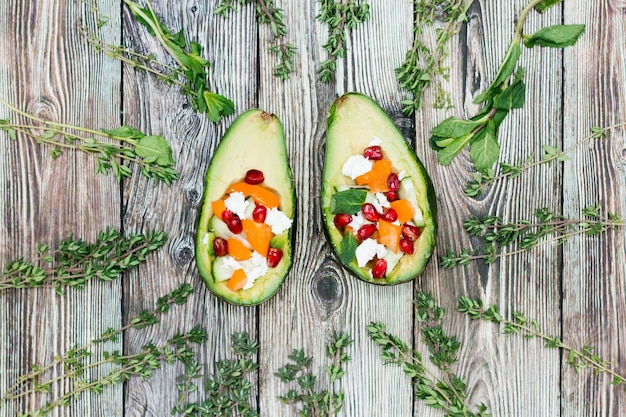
546,4
557,36
155,146
454,128
513,97
348,248
485,150
347,201
447,154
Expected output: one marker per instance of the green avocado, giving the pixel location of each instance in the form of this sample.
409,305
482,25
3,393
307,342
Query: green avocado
354,122
255,140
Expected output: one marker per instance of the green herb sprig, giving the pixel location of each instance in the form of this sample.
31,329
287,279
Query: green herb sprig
227,390
76,261
191,64
580,359
74,366
423,66
526,234
340,16
267,13
506,92
113,149
298,375
441,390
483,179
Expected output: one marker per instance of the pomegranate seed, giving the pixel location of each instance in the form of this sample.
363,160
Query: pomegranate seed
254,176
227,215
274,256
369,212
406,246
389,215
234,224
374,153
259,213
366,231
220,246
393,182
380,269
341,220
392,195
410,232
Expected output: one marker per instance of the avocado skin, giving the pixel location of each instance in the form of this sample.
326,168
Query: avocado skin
275,277
352,267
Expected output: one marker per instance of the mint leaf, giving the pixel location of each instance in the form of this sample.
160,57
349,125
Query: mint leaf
155,146
557,36
347,201
124,132
507,68
454,128
217,106
348,248
546,4
447,154
513,97
485,149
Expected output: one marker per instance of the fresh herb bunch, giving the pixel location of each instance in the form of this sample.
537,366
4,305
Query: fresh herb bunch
227,390
298,375
483,179
190,63
423,66
76,261
340,16
268,13
443,389
526,234
580,359
67,376
506,92
111,148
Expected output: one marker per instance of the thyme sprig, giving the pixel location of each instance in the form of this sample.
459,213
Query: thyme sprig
267,13
524,234
441,390
76,261
297,374
340,16
483,179
190,63
519,324
423,66
227,390
506,92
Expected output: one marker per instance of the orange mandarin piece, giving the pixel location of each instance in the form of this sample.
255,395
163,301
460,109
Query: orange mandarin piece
238,280
389,235
238,250
258,193
258,234
376,179
404,209
218,207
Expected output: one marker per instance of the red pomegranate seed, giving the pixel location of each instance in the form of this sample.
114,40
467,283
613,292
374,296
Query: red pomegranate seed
254,176
393,182
259,213
341,220
227,215
406,246
369,212
220,246
389,215
366,231
392,195
410,232
380,269
274,256
374,153
234,224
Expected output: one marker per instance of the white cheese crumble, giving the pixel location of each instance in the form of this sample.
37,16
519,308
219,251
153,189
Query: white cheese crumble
357,221
381,202
375,142
366,251
255,267
236,202
356,165
277,220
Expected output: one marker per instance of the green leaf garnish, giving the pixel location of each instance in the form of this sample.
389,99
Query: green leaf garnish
347,201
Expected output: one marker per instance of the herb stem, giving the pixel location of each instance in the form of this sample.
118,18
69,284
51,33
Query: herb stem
519,27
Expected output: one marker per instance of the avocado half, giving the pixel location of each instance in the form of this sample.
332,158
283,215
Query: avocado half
255,140
354,120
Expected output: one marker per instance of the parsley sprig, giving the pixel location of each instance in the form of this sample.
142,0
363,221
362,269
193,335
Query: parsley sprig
506,92
113,149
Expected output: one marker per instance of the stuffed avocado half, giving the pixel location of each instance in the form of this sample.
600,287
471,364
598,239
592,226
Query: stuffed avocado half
243,242
378,201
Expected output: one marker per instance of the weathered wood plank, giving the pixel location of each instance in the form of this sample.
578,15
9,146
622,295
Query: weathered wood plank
230,44
49,70
594,273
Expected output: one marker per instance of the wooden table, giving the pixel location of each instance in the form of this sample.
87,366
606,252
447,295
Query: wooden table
576,291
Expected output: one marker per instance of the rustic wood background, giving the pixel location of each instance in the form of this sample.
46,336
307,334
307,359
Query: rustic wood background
577,290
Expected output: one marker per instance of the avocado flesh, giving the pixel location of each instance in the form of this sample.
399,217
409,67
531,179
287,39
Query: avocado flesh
254,140
354,121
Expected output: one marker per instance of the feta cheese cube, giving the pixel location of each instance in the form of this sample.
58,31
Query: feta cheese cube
356,165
